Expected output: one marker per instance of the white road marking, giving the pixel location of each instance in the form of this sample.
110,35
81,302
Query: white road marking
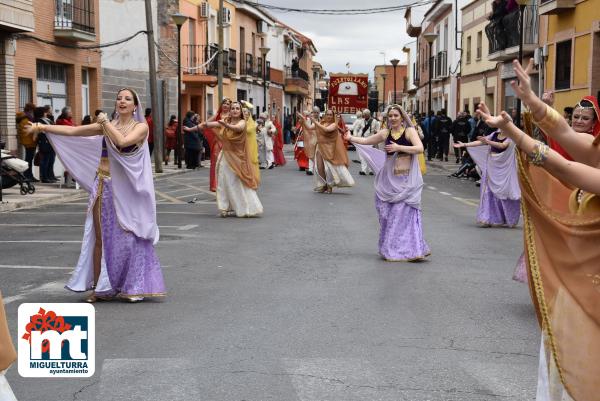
465,201
432,188
54,286
81,225
36,267
445,193
168,197
188,227
39,241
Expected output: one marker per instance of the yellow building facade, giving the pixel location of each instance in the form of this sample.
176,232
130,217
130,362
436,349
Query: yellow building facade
570,36
479,75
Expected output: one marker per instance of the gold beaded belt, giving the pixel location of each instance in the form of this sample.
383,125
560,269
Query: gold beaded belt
102,173
403,171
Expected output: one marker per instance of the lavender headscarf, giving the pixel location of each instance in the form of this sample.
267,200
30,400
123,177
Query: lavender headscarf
388,186
131,175
499,169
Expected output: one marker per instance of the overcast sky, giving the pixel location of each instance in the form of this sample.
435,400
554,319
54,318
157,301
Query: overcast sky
357,39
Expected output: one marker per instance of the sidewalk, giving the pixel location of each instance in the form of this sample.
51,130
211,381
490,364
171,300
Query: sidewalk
57,193
450,166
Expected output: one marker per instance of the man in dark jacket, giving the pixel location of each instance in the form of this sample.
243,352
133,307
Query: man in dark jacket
460,132
191,141
442,129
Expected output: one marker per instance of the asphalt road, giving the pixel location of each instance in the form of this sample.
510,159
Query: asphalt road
295,305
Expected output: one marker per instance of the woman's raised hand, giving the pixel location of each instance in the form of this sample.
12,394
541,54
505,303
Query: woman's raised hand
458,145
102,118
522,87
493,121
347,136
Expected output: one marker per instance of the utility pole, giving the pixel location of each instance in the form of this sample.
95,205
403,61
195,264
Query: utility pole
220,16
158,139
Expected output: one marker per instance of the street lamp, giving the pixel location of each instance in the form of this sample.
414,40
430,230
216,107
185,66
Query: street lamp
522,4
264,51
395,62
430,37
383,75
179,20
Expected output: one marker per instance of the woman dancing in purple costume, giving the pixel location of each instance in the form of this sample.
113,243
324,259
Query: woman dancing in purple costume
111,160
398,186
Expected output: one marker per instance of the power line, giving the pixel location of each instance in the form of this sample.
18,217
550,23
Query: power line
82,47
347,11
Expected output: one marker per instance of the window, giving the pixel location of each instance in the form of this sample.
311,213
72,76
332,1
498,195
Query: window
479,44
51,72
25,92
468,50
563,65
446,37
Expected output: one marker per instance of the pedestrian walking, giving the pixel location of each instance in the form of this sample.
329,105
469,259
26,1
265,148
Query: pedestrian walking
236,180
111,160
398,186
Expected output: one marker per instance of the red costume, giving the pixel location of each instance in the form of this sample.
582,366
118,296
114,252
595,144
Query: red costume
299,154
278,144
595,131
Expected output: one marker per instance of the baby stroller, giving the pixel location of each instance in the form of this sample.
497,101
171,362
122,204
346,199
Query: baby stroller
11,173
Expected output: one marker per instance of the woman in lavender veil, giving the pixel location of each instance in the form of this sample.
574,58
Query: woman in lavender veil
500,195
398,186
111,160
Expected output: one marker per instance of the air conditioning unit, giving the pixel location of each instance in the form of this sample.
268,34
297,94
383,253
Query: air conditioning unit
262,27
204,10
226,17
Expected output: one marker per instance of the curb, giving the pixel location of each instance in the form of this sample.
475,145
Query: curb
28,203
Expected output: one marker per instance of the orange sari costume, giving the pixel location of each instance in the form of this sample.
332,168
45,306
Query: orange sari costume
562,252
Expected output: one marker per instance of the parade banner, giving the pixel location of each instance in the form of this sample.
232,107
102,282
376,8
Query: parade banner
348,93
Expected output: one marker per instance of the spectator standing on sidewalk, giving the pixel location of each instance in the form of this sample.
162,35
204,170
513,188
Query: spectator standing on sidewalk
66,118
442,129
460,132
191,141
27,139
170,137
428,123
150,122
369,127
47,155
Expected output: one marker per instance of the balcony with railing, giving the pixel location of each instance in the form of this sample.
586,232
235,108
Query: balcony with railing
75,20
504,34
198,60
247,66
296,81
548,7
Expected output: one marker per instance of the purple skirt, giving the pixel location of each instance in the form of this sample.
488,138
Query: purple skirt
401,235
520,273
131,262
497,212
